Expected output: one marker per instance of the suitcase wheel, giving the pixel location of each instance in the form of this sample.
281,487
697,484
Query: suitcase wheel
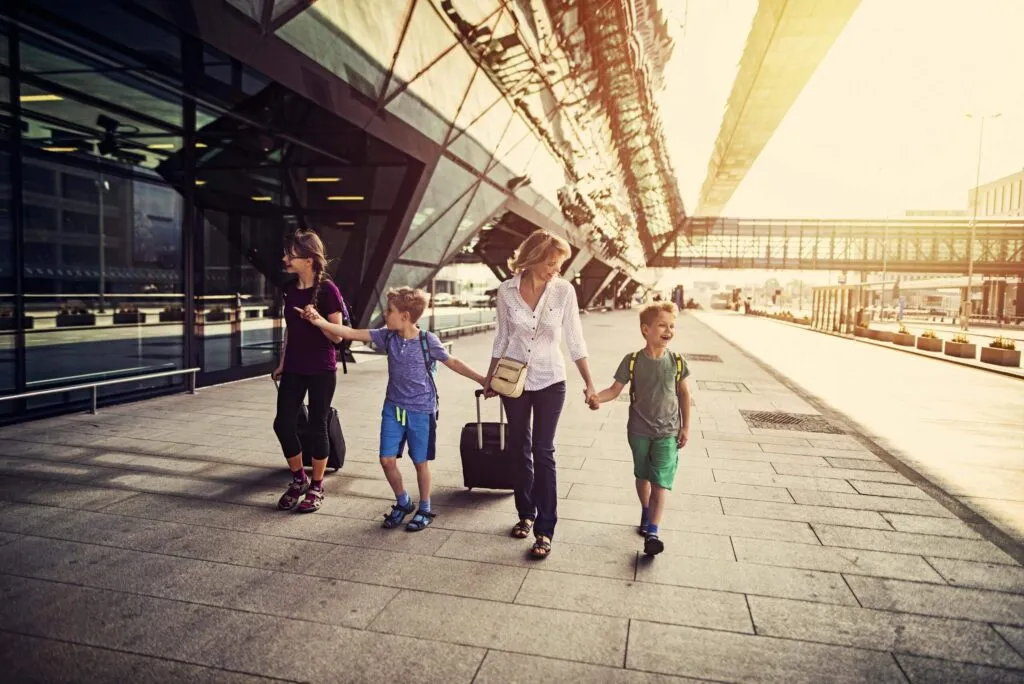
334,470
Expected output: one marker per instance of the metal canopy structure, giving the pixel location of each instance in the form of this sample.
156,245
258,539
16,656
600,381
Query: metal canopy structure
787,42
897,245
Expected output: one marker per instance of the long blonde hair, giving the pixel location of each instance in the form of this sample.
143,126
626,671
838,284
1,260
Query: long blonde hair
306,244
536,249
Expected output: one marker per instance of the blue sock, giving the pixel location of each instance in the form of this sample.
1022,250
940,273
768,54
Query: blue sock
403,500
652,530
425,505
643,515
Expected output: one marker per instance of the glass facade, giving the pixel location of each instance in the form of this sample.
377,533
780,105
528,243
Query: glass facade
151,176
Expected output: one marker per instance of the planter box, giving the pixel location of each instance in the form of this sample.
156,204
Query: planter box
216,316
932,344
75,320
270,312
960,350
904,339
172,316
1000,357
861,331
129,317
7,323
884,335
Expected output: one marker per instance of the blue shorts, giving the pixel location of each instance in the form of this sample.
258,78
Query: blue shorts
398,427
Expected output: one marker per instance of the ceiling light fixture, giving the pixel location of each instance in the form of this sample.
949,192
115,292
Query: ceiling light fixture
262,198
44,97
345,223
322,180
200,182
60,149
161,146
201,146
346,198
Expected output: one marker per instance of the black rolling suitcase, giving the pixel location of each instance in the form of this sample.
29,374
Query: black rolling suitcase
335,438
486,462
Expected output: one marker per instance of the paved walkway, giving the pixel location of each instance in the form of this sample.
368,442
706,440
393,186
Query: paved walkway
143,543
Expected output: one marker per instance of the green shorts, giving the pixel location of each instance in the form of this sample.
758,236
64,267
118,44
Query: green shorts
655,459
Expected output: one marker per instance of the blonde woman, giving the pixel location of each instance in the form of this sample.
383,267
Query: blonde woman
535,309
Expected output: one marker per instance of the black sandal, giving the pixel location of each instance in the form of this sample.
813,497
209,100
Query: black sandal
541,547
522,528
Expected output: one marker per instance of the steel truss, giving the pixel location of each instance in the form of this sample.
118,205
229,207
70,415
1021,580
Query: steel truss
897,245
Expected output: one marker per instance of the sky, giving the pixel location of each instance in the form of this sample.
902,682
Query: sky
880,127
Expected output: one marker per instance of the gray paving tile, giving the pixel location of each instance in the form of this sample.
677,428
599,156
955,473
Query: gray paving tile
638,600
823,514
719,447
452,576
871,503
538,631
675,501
931,671
747,578
763,440
949,527
8,537
882,630
840,473
943,601
1014,635
194,633
34,660
809,460
699,460
908,491
833,559
565,557
737,657
822,452
859,464
214,584
773,480
906,542
506,668
996,576
620,537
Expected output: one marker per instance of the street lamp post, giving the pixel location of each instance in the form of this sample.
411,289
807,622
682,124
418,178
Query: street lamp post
965,317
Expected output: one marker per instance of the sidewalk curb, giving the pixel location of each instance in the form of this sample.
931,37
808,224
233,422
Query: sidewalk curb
894,347
971,518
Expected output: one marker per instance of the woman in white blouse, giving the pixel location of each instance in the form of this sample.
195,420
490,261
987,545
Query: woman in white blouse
535,308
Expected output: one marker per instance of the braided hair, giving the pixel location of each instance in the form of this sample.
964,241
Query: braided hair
306,244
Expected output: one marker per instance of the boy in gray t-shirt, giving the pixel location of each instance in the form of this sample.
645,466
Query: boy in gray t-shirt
659,415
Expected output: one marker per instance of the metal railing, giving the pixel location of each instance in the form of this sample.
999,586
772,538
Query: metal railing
94,386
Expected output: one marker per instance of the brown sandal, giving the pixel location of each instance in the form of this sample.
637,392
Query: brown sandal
541,548
522,528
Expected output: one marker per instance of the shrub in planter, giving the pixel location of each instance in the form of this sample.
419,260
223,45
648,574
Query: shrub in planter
1001,352
216,315
129,315
69,317
903,337
929,342
960,347
172,314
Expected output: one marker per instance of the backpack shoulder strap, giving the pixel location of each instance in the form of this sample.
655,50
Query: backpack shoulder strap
431,367
678,358
632,373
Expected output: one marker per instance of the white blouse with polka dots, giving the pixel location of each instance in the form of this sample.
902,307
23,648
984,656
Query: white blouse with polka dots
517,324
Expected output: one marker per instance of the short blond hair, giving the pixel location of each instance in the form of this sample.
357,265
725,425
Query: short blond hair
537,249
408,300
649,314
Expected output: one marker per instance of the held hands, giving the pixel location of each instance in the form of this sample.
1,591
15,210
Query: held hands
591,398
488,392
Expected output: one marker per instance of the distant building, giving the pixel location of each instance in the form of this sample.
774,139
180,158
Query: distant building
936,212
1000,198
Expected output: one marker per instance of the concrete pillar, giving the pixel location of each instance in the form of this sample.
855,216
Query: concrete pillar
1018,308
1000,288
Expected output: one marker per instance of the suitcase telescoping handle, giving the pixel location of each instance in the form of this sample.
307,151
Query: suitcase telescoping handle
480,425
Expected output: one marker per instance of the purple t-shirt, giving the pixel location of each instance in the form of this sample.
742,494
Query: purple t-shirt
309,351
409,386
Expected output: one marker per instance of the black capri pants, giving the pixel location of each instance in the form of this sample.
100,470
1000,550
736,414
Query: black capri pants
291,392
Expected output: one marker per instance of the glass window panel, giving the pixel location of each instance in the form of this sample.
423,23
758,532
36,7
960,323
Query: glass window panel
7,295
95,298
404,275
478,144
486,202
411,109
250,8
443,85
432,36
546,174
517,146
446,185
354,40
431,246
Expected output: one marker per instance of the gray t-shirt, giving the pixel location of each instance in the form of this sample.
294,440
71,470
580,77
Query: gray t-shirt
409,384
655,412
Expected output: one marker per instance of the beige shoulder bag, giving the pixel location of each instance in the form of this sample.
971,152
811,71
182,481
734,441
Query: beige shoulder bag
509,379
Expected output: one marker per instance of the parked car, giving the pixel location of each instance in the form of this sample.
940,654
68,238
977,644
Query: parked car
443,299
